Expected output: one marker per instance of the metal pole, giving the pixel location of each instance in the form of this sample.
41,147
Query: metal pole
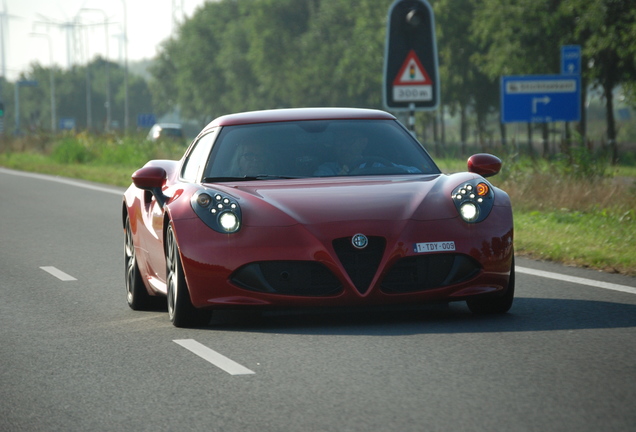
17,108
89,102
125,67
412,118
51,80
108,94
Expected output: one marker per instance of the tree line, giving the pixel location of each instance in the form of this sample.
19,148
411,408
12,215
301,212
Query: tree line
87,94
236,55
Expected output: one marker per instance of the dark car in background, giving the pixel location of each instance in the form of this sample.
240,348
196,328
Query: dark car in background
159,131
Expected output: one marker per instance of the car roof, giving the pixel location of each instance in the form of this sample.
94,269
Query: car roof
299,114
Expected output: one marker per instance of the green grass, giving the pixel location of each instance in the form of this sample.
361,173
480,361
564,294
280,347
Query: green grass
583,217
599,239
104,159
113,175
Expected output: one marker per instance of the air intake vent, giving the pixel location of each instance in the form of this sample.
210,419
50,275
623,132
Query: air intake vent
299,278
425,272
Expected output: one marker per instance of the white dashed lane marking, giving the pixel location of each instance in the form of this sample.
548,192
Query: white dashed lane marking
58,273
218,360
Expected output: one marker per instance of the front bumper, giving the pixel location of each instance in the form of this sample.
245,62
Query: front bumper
307,266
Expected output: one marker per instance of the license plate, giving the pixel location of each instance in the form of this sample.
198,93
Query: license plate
435,247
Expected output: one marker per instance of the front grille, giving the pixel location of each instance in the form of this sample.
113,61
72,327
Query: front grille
301,278
425,272
361,264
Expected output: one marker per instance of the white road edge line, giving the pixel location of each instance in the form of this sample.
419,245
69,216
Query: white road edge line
218,360
58,273
61,180
577,280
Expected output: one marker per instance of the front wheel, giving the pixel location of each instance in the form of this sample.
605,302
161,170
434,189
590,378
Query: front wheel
495,305
180,309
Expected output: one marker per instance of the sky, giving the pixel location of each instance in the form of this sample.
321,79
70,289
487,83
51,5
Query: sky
148,24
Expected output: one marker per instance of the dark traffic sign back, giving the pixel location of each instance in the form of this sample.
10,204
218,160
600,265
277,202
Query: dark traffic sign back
540,98
411,77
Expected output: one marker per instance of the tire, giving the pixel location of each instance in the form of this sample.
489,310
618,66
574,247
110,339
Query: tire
136,294
495,305
180,309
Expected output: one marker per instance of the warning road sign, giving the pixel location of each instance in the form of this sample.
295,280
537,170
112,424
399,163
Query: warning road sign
412,83
411,77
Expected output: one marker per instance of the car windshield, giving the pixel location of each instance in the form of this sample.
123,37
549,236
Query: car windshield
320,148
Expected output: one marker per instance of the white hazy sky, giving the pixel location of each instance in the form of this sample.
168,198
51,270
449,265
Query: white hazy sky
149,23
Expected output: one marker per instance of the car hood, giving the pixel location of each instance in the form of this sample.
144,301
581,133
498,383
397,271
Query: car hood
316,201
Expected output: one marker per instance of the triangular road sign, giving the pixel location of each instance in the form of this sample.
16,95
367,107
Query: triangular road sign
412,72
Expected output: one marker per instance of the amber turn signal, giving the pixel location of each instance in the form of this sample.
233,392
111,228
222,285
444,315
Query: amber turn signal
482,189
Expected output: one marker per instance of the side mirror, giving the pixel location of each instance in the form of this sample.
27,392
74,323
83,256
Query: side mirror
151,179
484,164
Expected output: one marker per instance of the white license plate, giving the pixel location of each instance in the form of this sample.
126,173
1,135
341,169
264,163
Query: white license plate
435,247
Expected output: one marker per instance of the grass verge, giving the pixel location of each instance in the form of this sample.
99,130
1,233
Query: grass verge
598,239
107,174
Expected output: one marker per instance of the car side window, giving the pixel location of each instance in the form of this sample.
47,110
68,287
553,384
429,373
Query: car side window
198,157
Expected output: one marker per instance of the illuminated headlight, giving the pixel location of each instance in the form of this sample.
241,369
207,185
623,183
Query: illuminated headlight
228,221
469,211
473,200
219,211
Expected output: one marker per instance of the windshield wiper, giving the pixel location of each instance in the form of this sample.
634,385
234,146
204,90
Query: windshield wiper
247,178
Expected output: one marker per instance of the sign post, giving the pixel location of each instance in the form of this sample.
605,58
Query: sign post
411,77
23,83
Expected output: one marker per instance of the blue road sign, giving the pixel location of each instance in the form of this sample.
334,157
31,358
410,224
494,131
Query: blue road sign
571,59
67,123
540,98
27,83
146,120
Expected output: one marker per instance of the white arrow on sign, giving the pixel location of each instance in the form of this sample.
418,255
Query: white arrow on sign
535,101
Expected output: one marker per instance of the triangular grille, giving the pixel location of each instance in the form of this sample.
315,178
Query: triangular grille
361,264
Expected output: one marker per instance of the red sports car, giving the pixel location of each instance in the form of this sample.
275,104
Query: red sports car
314,207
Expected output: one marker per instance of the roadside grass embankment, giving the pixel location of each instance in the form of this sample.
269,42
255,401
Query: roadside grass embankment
578,211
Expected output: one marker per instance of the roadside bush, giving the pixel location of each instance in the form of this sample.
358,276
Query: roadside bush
70,150
584,164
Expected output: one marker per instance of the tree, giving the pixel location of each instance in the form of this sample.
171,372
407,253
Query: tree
71,95
521,37
464,85
607,29
273,29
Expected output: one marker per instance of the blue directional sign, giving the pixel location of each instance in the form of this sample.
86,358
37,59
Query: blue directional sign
27,83
146,120
67,123
540,98
571,59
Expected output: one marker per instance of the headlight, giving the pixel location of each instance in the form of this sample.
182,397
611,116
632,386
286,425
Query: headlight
219,211
228,221
469,211
473,200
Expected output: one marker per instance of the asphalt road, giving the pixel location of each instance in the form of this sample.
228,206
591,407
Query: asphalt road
74,357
